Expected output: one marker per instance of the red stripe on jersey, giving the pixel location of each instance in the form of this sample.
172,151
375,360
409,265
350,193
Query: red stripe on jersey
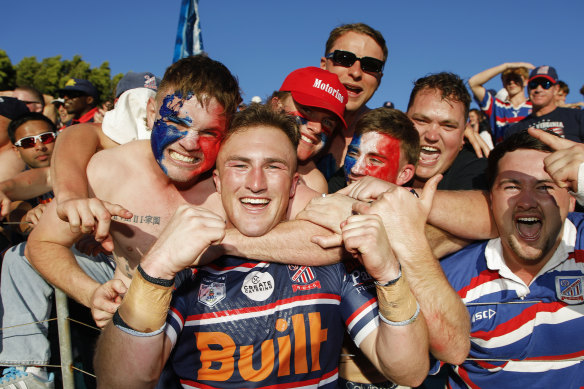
182,319
223,269
483,277
260,308
577,255
464,375
365,306
285,385
514,323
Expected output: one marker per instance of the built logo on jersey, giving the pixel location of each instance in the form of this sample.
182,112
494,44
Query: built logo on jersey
569,289
258,286
212,291
303,278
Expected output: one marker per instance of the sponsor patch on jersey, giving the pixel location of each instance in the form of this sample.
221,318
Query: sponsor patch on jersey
569,289
258,286
212,291
303,278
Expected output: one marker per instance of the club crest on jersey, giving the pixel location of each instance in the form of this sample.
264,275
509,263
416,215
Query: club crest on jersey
258,286
569,289
212,291
303,278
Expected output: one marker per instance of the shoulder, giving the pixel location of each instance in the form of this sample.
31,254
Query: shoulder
464,264
466,172
301,198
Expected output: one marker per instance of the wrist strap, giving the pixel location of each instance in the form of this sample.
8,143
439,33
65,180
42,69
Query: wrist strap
401,323
153,280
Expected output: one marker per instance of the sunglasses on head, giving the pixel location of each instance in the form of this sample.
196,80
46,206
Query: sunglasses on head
347,59
29,141
545,84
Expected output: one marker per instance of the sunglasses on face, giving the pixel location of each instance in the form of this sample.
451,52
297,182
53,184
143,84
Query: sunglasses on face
29,141
545,84
347,59
73,94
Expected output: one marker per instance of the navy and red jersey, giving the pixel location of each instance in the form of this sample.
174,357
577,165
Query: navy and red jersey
522,335
240,324
502,114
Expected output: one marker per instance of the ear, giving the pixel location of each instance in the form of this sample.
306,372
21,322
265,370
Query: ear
294,184
323,63
217,181
150,112
276,104
406,174
89,100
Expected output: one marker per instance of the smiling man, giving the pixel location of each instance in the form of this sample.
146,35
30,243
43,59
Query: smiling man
523,290
438,106
241,323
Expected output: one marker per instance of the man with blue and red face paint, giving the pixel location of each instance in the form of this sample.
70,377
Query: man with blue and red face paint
385,146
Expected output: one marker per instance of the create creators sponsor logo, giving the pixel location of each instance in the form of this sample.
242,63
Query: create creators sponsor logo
258,286
303,278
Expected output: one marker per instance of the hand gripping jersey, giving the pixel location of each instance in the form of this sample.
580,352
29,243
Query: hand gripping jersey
242,324
522,336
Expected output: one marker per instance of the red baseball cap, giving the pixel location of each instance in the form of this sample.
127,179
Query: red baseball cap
319,88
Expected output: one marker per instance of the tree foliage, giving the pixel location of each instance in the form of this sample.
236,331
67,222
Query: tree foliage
51,74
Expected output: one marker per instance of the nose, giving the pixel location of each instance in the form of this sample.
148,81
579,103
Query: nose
432,132
526,199
256,179
314,127
359,168
190,142
355,70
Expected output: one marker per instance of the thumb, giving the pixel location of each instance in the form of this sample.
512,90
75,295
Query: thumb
361,207
327,242
429,190
119,287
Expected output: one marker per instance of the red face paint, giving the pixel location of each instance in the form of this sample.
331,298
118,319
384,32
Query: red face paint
376,155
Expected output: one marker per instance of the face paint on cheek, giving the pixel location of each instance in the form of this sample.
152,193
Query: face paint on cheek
349,160
210,148
389,148
164,134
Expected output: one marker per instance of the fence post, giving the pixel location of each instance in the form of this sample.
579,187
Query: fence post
64,339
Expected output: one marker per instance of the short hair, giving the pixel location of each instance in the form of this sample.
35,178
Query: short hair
28,117
449,84
520,71
582,90
205,79
359,28
34,91
519,140
564,87
257,114
396,124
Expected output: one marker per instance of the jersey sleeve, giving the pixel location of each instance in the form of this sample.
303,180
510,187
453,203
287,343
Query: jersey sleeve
358,302
175,318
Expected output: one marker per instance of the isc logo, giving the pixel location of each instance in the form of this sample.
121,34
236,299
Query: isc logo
486,314
218,352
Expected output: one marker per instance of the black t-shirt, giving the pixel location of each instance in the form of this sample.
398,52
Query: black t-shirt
566,122
337,181
467,172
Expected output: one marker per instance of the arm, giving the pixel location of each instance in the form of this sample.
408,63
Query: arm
27,184
404,217
477,81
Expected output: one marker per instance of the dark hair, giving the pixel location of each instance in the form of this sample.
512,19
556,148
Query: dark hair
206,79
28,117
37,94
360,28
564,87
262,114
521,71
395,124
449,84
519,140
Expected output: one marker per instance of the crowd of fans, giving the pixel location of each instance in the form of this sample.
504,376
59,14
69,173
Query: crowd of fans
310,240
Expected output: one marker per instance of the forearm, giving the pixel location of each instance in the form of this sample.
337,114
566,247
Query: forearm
289,242
446,316
27,185
126,361
465,214
443,243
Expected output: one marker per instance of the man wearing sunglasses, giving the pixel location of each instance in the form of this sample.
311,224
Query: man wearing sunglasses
356,53
543,87
502,114
81,99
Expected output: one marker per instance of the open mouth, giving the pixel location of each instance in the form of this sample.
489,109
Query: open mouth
429,154
528,228
183,158
254,203
309,140
353,89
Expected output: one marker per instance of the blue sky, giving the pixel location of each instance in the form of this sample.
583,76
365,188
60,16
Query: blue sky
262,41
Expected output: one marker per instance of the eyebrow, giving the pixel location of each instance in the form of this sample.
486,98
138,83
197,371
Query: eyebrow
516,181
422,116
249,160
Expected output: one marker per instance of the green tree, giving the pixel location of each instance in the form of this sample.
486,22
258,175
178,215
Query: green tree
100,77
48,76
7,72
26,70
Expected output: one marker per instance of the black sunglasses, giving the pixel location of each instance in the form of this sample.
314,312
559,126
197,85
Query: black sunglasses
73,94
545,84
347,59
29,141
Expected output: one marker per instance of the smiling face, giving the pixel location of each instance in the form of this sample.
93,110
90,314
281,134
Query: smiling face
440,123
542,98
40,154
528,207
256,177
186,135
373,154
360,85
316,126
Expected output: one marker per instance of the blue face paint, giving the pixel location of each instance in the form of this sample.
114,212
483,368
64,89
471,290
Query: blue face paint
163,133
323,138
350,161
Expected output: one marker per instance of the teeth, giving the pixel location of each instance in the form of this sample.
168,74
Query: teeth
254,201
180,157
528,219
429,149
306,139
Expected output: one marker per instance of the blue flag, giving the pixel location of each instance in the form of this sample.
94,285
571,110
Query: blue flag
189,40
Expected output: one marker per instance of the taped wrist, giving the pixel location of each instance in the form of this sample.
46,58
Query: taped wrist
396,302
145,306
